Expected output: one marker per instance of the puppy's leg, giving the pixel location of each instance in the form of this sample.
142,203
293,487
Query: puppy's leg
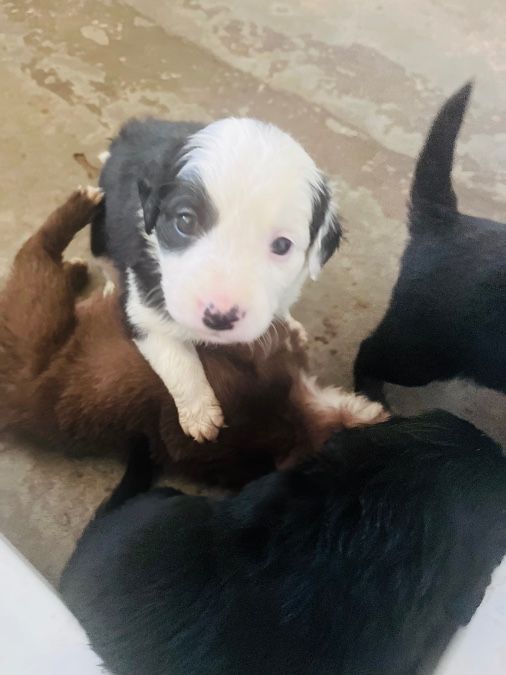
37,304
405,352
328,409
298,333
77,273
138,477
63,224
179,367
366,371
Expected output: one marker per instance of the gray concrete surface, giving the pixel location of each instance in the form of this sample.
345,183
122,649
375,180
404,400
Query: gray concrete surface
356,82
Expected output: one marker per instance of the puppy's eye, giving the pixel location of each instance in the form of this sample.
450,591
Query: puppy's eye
186,223
281,246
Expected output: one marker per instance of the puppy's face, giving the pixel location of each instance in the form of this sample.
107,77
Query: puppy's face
237,228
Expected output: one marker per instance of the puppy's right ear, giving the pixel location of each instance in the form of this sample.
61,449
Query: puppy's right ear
150,204
325,228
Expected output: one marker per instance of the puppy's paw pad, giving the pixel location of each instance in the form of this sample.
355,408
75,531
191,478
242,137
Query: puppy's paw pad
202,422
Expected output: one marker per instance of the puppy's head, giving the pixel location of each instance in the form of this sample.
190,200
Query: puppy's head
237,227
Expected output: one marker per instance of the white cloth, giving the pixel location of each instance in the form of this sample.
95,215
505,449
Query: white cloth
480,647
38,634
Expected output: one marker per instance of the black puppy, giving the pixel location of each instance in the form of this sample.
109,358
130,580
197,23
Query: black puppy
447,313
364,560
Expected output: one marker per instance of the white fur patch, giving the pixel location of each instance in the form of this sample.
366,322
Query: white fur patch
480,647
149,320
103,156
109,288
353,409
248,165
176,362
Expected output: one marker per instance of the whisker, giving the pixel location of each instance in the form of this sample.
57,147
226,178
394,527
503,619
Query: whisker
151,293
276,336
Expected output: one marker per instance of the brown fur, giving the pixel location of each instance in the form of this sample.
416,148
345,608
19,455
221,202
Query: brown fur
69,372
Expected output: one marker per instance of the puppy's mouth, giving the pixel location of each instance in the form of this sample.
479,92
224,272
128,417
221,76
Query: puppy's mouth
224,337
219,337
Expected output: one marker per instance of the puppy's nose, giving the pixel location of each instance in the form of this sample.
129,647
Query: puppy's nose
216,319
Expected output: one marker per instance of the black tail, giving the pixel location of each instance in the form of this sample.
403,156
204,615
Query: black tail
138,477
432,182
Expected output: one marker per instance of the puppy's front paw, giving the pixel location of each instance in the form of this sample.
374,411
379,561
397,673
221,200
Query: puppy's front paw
298,334
359,411
93,194
202,419
81,205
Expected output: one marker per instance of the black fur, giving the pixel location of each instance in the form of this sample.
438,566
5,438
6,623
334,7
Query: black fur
138,477
323,214
143,158
447,313
365,560
143,161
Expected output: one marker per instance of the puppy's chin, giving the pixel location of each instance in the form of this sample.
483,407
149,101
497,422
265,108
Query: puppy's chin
225,337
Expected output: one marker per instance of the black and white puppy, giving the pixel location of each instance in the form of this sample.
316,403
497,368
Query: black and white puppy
213,230
364,560
447,313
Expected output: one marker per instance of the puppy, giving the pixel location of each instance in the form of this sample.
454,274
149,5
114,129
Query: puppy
447,313
213,230
70,374
366,559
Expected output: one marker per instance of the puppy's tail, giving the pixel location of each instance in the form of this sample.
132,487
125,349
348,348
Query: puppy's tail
432,181
138,476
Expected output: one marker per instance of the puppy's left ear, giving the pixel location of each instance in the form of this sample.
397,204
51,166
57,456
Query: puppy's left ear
325,229
150,204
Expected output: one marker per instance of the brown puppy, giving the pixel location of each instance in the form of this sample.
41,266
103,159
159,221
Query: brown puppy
68,372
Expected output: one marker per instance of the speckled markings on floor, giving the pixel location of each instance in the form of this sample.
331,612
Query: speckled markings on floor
356,82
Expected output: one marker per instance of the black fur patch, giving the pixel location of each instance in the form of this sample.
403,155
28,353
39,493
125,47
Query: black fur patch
178,196
321,203
150,203
331,239
321,217
143,158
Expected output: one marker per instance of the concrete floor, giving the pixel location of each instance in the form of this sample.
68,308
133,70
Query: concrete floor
356,82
